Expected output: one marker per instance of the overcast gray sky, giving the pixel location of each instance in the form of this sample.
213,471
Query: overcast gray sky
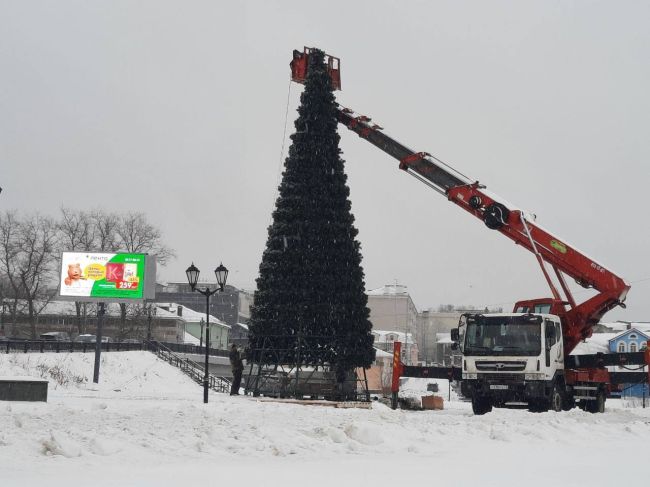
177,109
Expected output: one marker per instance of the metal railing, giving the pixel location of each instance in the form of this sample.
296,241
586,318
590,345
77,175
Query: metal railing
42,346
72,346
193,349
190,368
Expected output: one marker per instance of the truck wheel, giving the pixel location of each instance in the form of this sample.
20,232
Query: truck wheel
555,401
481,405
568,402
597,406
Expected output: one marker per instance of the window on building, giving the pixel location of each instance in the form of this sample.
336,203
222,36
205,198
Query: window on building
633,347
621,347
633,336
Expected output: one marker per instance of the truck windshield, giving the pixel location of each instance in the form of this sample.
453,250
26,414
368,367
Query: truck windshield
503,336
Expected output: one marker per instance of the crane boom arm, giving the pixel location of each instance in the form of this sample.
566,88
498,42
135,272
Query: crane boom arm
515,224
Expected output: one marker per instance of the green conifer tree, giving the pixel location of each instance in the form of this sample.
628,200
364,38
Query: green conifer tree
310,304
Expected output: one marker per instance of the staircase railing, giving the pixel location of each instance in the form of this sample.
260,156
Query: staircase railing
190,368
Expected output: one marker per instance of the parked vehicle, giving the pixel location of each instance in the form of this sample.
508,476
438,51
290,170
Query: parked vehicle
86,338
55,336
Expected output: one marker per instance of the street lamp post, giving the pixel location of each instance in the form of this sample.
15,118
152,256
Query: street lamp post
192,278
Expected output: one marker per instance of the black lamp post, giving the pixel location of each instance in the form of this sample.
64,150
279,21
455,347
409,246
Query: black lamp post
192,278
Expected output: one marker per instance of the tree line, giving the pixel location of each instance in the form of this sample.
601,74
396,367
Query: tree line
31,247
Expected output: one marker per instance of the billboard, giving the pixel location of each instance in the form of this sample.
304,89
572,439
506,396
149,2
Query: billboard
92,276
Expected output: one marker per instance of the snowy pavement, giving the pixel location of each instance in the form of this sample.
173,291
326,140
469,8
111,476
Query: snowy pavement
145,425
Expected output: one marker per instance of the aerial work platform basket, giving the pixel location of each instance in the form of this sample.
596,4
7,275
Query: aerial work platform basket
300,65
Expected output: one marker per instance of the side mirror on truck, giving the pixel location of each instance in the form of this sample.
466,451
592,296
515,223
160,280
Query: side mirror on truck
455,336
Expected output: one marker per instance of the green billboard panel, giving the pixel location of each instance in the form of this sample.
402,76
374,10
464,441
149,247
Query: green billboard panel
89,276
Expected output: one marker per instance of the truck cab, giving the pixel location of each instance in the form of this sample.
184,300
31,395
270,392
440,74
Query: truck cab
512,360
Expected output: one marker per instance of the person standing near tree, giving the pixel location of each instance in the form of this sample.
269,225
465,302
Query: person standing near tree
237,365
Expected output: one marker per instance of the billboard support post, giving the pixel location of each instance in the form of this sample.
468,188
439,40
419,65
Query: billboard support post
98,341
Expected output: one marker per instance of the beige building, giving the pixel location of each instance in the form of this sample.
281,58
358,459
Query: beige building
391,308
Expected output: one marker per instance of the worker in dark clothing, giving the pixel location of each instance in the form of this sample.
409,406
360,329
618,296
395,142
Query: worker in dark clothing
237,366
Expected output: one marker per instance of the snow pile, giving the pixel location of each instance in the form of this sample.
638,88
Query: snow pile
130,373
146,425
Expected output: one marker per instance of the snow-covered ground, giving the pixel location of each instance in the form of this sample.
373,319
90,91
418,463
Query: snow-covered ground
146,425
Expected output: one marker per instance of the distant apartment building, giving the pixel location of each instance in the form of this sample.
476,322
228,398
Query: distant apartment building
432,326
223,305
391,308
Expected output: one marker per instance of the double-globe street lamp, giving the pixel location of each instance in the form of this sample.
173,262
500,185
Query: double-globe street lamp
192,278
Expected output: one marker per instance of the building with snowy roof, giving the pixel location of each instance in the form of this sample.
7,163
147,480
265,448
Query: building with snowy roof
62,316
224,305
632,340
194,326
385,341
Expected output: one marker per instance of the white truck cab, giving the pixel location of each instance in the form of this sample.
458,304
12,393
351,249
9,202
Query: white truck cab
512,360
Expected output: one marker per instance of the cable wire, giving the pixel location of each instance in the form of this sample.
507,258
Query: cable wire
284,138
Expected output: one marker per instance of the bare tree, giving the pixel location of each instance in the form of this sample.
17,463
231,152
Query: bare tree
9,250
34,263
137,235
105,225
77,230
139,315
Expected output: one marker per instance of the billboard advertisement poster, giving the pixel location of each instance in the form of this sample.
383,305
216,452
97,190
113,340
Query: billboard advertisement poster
103,276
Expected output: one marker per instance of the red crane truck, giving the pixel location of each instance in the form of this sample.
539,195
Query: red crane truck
520,358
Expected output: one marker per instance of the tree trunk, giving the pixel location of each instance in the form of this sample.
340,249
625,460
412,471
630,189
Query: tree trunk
14,313
32,318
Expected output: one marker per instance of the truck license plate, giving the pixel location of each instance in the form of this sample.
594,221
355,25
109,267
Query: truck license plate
499,386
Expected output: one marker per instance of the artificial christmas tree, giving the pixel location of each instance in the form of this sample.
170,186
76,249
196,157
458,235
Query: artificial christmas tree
310,304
